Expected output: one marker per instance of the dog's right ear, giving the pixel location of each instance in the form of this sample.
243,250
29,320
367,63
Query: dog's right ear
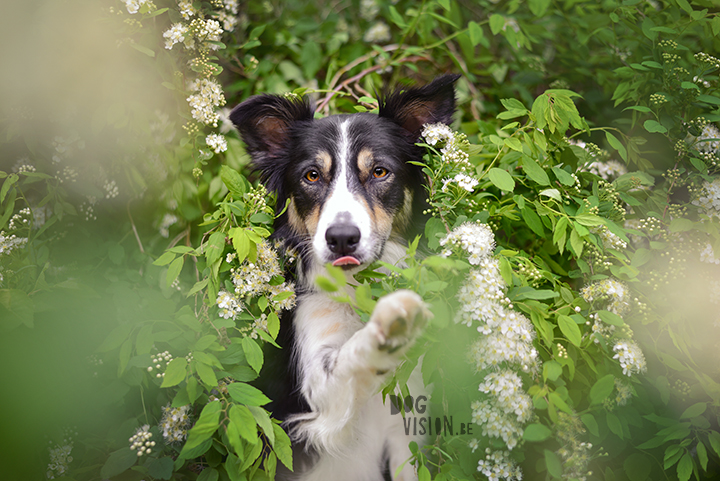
264,123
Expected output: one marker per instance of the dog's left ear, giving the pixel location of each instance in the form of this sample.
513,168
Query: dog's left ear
415,107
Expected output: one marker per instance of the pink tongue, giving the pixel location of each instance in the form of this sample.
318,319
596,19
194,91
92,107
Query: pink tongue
346,261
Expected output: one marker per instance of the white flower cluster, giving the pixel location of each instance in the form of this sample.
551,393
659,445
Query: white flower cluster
630,357
610,290
378,33
207,30
609,240
160,362
186,9
624,392
506,410
133,6
476,239
709,139
708,255
600,329
609,170
60,458
167,221
464,181
175,423
228,16
175,34
709,198
216,142
111,189
207,97
8,243
254,279
453,152
140,441
497,466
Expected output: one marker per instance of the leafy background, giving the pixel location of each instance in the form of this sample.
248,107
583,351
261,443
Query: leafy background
132,215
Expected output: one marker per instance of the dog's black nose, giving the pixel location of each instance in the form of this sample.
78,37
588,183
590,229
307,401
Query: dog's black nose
342,238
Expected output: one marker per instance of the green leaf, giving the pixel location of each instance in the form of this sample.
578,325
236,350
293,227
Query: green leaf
654,126
536,433
208,474
164,259
564,177
253,353
118,462
282,447
247,394
681,225
539,7
235,182
501,179
16,308
142,49
637,467
710,99
497,22
174,271
553,464
6,186
160,468
570,329
514,144
576,242
695,410
685,467
611,318
590,423
207,374
685,6
245,422
397,18
617,145
559,233
552,193
533,170
214,247
702,455
205,427
589,220
476,33
175,372
602,388
263,420
614,424
552,370
714,438
533,221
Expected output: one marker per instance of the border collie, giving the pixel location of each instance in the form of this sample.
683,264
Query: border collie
352,198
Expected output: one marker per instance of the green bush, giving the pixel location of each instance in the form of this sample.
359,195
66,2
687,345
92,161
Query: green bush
570,249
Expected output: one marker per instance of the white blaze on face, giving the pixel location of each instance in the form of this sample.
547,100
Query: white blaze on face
342,206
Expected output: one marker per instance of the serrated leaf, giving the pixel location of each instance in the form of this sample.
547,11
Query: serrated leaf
263,420
282,447
602,388
702,455
204,428
685,467
235,182
245,422
175,372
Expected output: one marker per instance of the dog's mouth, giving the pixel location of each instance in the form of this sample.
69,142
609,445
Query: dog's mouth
346,262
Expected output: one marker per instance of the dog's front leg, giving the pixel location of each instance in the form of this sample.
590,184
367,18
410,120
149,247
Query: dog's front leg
343,362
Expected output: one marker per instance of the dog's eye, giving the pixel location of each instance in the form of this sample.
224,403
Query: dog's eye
380,172
312,176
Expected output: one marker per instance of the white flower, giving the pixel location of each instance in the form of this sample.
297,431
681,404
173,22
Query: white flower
208,96
216,142
497,465
134,5
630,357
610,290
167,221
708,255
708,199
437,133
186,9
378,33
474,238
175,34
607,170
709,139
175,423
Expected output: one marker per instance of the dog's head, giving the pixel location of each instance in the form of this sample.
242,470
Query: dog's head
350,187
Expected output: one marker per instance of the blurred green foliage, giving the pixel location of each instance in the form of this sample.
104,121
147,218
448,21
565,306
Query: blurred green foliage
117,215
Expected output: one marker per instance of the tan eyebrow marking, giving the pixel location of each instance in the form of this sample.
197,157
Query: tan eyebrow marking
324,161
365,161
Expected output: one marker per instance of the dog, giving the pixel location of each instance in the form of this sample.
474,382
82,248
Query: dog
352,198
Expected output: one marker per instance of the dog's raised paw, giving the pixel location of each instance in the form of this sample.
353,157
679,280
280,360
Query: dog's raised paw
397,318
